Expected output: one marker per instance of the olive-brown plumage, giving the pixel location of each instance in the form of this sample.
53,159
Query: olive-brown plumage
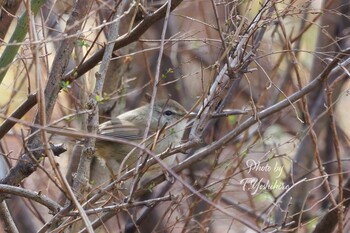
131,126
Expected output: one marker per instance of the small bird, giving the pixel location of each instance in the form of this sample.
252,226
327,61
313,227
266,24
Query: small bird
130,126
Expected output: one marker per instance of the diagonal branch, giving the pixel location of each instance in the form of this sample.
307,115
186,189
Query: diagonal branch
124,40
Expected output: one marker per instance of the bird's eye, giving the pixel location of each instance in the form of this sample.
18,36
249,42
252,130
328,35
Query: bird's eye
168,113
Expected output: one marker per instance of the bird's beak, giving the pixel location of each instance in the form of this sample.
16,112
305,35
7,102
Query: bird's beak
191,115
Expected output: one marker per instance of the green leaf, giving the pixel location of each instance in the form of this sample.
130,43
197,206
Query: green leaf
65,85
169,71
82,43
17,37
99,99
231,119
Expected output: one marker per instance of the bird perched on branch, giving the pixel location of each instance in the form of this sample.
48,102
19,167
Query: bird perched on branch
167,128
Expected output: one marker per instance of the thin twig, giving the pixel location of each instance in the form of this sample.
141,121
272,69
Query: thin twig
153,99
7,219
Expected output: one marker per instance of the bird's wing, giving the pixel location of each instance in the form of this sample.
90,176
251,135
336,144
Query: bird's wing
121,129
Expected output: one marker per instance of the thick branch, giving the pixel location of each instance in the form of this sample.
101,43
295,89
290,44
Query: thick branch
37,197
134,35
26,164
